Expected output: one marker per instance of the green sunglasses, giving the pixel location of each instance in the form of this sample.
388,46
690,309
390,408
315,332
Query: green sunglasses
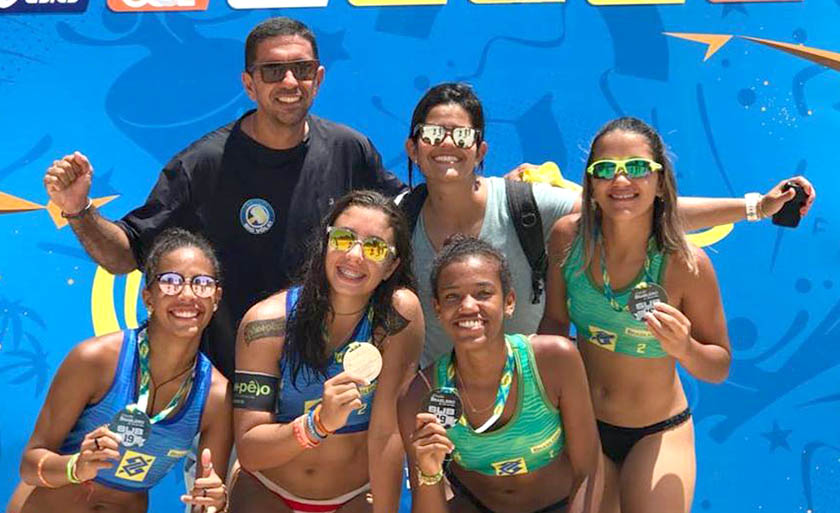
636,167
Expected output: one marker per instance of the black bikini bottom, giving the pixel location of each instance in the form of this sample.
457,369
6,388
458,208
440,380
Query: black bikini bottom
617,440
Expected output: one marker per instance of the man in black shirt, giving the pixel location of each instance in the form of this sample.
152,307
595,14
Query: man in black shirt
240,184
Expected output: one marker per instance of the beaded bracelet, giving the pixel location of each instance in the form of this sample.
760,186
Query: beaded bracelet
428,480
311,429
305,432
298,429
41,471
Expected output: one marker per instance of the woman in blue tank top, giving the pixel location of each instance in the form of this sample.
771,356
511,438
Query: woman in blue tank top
524,438
123,408
641,299
314,419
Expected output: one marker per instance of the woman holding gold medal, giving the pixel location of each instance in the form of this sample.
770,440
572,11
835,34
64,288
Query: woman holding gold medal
641,299
319,368
125,407
512,411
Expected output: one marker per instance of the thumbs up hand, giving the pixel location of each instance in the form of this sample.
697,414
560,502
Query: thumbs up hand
209,492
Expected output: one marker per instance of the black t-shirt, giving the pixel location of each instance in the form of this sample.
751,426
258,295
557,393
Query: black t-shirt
258,207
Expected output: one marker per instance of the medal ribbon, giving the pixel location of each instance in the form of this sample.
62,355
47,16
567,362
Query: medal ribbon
501,395
146,378
608,291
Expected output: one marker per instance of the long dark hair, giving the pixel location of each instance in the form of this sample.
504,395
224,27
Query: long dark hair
305,344
457,93
667,226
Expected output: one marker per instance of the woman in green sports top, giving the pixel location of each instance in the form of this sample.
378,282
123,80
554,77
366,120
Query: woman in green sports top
526,441
628,238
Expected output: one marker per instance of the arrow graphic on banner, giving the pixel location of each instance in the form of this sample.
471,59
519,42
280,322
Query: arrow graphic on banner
12,204
715,42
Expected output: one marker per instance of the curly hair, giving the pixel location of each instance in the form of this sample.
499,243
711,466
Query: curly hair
305,344
173,239
458,247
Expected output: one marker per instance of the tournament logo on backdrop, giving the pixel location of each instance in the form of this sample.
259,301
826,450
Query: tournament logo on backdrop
275,4
43,6
256,216
157,5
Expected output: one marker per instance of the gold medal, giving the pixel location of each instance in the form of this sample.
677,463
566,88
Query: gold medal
362,360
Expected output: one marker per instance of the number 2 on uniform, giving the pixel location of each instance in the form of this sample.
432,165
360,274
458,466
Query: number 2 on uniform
362,410
641,347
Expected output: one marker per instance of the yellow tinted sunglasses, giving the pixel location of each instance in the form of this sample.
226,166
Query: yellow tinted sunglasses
373,248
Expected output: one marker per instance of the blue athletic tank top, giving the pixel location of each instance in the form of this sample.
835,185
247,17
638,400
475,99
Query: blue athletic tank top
295,399
140,468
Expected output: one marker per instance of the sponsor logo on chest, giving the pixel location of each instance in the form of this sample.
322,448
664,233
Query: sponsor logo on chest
256,216
134,466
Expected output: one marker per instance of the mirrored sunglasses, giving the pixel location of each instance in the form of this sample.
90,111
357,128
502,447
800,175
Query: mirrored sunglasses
373,248
172,283
607,169
462,136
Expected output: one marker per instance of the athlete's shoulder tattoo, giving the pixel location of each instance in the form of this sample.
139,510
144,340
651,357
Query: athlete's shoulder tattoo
396,323
255,330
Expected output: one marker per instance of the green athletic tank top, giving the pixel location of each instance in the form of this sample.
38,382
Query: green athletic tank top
596,321
531,439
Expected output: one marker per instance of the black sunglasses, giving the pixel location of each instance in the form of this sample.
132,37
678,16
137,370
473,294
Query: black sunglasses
276,71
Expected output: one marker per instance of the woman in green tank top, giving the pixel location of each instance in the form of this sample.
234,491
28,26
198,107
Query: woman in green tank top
524,438
625,250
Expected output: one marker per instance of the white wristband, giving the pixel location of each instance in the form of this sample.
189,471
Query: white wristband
751,200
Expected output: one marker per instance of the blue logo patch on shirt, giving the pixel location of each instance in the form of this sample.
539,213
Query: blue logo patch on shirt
603,338
256,216
43,6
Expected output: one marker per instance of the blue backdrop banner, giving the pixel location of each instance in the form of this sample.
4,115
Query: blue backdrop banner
744,93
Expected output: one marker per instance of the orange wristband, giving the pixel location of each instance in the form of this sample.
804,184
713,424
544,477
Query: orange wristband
41,471
318,424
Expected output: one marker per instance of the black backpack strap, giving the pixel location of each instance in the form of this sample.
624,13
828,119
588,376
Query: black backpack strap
412,204
528,223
